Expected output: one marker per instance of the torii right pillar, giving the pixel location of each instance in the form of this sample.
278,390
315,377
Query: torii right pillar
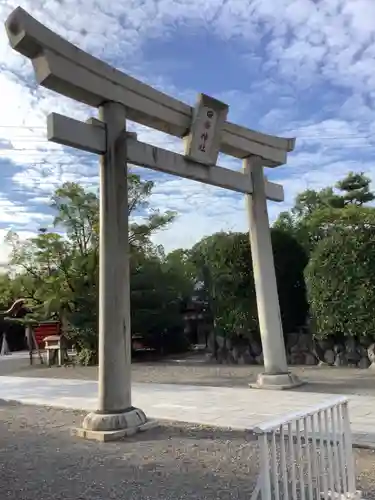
276,374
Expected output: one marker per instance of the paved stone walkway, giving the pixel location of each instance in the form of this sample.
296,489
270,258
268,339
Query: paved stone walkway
238,408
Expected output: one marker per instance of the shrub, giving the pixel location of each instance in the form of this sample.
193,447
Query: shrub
340,280
85,340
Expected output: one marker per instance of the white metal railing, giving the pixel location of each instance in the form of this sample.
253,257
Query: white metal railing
307,455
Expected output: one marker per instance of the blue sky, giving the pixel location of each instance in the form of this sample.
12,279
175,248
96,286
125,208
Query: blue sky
302,68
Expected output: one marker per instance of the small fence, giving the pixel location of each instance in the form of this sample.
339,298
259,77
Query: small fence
307,455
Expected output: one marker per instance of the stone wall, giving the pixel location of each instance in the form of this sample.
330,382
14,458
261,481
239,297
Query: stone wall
301,350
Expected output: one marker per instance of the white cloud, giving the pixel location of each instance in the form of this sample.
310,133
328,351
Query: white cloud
201,209
16,213
304,43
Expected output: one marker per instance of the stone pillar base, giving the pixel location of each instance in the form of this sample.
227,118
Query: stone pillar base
277,382
113,426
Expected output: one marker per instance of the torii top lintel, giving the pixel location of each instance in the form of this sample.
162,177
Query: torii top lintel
64,68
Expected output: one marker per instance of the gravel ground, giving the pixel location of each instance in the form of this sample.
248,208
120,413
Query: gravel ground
193,372
40,460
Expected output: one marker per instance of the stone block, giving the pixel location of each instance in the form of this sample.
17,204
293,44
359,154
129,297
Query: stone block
329,356
305,342
115,435
247,358
310,359
291,340
371,353
363,363
341,359
279,381
256,348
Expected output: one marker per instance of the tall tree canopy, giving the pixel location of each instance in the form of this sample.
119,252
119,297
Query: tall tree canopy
336,228
223,263
340,280
57,271
317,213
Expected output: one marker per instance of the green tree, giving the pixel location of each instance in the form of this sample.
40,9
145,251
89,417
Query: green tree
340,280
41,266
356,189
290,261
158,291
285,222
78,215
316,213
223,263
180,261
57,272
310,201
7,291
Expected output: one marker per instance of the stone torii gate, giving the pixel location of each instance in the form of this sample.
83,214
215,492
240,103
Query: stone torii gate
62,67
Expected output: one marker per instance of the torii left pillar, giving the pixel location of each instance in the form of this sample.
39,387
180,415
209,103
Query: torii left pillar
115,417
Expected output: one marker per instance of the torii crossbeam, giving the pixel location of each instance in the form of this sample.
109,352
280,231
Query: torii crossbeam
62,67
